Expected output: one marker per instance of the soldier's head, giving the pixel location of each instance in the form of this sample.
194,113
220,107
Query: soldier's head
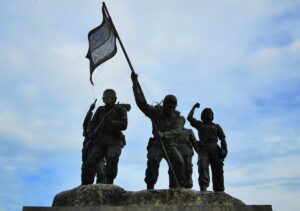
207,115
169,104
109,97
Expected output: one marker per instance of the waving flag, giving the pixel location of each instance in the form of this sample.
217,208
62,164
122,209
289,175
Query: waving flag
102,43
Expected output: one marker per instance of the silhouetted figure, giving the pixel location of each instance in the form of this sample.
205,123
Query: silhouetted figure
87,147
105,130
186,141
210,151
166,125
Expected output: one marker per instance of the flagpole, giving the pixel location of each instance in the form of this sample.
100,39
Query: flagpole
119,39
132,70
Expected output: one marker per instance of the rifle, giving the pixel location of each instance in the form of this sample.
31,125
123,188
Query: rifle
100,126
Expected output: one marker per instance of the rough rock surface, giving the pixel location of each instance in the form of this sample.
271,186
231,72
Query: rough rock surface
102,194
185,197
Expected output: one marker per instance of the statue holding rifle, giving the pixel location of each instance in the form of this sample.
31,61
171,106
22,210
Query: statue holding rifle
88,146
166,124
105,131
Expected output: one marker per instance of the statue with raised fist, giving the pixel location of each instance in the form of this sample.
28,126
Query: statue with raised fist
211,153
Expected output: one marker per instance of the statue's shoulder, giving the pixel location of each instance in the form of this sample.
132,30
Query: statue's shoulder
177,113
219,127
216,125
123,107
100,108
156,108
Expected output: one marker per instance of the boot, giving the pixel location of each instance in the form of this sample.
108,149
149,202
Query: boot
150,186
109,181
203,188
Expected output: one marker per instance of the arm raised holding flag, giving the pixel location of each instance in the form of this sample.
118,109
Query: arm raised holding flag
166,125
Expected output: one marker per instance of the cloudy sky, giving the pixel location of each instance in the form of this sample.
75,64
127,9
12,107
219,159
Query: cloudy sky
241,58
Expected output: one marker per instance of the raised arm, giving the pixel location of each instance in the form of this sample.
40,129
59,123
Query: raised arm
139,95
88,118
191,114
190,117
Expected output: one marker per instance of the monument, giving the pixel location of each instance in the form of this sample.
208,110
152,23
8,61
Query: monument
104,140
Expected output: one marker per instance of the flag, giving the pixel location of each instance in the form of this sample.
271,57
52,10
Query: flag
102,43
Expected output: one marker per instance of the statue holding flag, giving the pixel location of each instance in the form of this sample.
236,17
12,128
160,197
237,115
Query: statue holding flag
166,124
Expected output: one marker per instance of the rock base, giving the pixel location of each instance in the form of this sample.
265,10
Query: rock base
102,194
103,197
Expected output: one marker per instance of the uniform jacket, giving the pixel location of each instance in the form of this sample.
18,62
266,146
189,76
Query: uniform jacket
113,125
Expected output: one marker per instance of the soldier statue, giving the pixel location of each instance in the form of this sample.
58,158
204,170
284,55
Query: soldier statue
105,130
87,146
210,151
166,125
186,141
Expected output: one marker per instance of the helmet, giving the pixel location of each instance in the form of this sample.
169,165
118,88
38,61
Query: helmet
170,100
109,93
207,115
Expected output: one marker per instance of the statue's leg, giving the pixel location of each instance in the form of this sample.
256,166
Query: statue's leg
100,171
217,171
188,171
203,170
89,167
177,163
112,159
172,182
154,157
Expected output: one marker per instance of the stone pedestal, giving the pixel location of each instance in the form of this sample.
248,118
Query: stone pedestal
110,197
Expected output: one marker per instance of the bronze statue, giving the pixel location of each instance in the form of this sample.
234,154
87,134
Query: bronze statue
166,125
210,152
87,147
186,141
105,131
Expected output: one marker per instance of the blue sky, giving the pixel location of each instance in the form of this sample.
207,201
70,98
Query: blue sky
239,58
